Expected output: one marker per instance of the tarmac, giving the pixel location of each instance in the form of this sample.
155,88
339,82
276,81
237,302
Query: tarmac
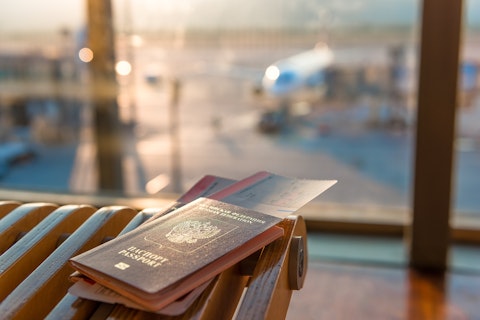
373,168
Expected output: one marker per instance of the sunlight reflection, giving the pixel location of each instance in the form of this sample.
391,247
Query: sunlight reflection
157,184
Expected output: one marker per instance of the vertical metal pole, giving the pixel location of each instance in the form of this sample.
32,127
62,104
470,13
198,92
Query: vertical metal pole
175,137
130,58
104,95
437,101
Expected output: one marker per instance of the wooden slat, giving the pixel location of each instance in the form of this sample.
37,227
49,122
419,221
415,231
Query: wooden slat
71,307
269,292
229,289
22,219
26,254
50,279
7,206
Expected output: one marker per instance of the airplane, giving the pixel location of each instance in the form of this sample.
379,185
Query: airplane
298,78
303,71
307,69
323,76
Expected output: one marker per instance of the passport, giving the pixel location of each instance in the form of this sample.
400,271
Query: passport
162,260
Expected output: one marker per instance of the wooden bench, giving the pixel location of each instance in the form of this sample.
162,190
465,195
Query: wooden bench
37,239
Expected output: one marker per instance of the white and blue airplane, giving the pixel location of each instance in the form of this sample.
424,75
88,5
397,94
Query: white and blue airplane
298,78
296,74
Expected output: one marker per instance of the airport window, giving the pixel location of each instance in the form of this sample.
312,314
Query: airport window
468,129
202,90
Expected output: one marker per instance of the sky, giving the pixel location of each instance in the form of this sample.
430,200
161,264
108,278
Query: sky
51,15
28,15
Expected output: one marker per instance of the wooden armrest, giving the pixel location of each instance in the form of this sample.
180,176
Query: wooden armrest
281,269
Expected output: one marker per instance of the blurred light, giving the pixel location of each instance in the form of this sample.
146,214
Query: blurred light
136,41
123,68
272,73
157,184
85,55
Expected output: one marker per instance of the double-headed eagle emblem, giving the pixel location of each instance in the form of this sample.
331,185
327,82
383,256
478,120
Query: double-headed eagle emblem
191,231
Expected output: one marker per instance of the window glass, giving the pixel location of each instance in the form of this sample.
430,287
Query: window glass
312,89
41,96
467,144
